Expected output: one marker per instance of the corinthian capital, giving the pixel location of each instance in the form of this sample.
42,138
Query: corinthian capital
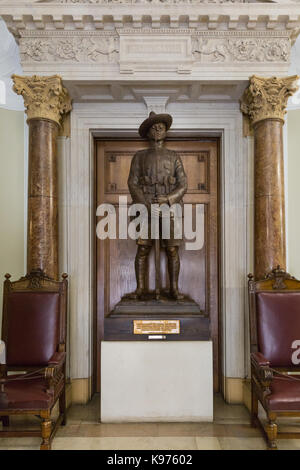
44,97
266,98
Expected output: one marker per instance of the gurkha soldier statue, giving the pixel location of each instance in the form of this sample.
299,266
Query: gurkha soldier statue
157,177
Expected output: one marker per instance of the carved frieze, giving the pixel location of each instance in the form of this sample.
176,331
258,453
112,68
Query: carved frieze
44,97
70,48
149,46
159,36
266,98
241,49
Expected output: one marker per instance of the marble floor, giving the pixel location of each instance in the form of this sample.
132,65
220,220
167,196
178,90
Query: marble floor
230,430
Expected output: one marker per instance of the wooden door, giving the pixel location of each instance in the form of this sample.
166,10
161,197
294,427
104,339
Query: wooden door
115,275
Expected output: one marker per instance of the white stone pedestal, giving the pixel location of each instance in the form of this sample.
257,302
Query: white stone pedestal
156,381
2,352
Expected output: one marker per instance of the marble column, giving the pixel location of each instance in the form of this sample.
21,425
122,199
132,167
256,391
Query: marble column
264,102
46,101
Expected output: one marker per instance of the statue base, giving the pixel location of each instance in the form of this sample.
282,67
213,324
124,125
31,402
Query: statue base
162,319
149,305
143,382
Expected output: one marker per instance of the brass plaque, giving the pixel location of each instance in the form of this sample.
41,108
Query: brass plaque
150,327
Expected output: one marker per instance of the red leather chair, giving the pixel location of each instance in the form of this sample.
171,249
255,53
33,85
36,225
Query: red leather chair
34,331
275,330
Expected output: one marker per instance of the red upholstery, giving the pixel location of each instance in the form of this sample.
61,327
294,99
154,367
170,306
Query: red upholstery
285,395
33,328
29,394
278,325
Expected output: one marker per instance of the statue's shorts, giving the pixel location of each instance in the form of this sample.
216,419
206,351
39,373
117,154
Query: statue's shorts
168,241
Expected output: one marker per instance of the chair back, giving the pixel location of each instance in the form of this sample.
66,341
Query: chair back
34,319
275,316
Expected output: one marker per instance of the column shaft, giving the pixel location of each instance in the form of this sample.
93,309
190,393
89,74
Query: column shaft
42,236
46,101
269,240
264,102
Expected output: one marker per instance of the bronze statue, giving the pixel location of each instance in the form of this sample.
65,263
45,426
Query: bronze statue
157,176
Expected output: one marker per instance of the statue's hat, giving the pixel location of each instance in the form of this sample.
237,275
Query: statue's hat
152,119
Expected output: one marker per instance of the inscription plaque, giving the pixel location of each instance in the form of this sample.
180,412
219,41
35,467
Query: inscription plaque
149,327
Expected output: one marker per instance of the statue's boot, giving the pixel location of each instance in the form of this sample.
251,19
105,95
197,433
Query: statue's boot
174,268
141,265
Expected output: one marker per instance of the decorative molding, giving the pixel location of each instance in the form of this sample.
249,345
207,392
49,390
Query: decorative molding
155,2
35,278
115,15
44,97
155,51
279,275
144,46
145,2
168,2
156,103
241,50
81,49
266,98
205,39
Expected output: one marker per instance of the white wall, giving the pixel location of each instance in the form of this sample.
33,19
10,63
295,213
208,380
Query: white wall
13,186
9,64
293,192
11,195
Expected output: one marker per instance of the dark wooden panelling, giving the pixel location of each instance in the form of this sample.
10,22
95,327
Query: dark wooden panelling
191,329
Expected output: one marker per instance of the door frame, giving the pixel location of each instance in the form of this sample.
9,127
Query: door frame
77,252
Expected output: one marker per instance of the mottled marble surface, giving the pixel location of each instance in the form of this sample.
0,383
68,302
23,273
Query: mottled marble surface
42,242
269,238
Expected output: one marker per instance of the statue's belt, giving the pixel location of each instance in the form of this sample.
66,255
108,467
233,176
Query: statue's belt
163,181
163,186
151,189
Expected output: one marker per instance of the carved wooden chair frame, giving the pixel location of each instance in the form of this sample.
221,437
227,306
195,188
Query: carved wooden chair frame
261,373
54,373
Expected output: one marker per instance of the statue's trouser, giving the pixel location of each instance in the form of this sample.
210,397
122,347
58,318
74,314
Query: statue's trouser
141,264
173,267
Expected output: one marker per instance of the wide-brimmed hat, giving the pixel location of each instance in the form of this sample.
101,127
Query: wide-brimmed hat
152,119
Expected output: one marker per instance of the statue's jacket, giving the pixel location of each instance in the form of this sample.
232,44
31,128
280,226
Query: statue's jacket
156,172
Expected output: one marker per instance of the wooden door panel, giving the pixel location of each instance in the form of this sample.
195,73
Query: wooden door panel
191,284
115,274
196,166
120,274
117,166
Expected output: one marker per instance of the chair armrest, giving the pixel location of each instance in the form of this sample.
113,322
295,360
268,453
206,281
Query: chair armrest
57,359
3,369
54,372
259,359
261,370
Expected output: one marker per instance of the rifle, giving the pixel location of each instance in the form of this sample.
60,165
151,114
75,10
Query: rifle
157,257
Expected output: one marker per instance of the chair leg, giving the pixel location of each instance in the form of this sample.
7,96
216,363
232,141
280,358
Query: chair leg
5,421
254,407
46,433
271,430
62,407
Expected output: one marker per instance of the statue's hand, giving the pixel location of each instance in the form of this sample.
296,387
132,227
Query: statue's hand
161,200
155,212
